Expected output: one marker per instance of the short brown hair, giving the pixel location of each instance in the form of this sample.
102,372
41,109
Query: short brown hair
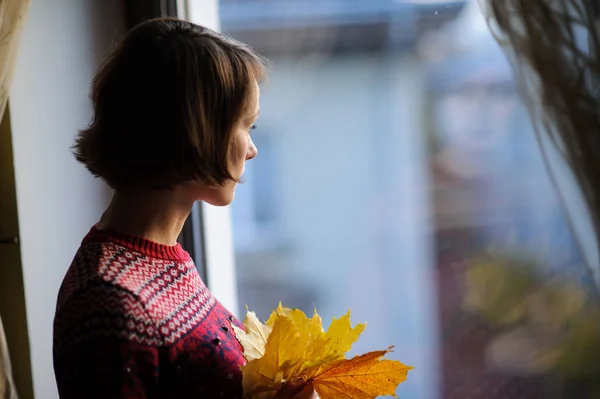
166,101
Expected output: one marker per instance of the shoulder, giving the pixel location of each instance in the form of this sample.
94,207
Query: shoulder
116,265
104,310
97,299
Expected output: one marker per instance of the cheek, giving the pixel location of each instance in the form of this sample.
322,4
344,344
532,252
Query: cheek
238,155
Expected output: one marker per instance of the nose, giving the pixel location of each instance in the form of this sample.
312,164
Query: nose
252,151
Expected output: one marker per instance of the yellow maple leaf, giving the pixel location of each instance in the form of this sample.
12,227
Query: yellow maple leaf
340,337
254,339
297,347
313,326
285,349
256,385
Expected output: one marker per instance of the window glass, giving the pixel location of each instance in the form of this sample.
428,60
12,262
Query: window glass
395,163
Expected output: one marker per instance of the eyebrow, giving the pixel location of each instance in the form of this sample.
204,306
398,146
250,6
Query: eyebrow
250,117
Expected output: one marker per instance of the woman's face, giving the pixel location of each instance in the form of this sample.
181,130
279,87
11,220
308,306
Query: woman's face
242,150
242,146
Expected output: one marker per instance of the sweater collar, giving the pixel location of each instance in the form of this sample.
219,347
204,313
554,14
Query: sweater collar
138,244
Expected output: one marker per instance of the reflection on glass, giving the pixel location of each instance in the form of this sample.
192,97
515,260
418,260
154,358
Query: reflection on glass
393,154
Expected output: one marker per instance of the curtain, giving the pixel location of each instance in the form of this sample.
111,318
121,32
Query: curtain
7,386
12,18
554,46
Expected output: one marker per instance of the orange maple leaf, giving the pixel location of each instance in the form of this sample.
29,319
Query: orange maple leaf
362,377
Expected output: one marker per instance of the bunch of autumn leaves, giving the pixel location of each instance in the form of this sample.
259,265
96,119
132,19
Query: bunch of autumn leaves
291,346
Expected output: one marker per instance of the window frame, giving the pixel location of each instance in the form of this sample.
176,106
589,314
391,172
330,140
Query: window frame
207,233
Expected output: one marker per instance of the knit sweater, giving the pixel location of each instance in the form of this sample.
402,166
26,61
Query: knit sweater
134,320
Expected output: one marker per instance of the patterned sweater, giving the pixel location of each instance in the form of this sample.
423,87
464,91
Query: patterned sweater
134,320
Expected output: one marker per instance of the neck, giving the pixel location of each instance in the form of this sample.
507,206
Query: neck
157,215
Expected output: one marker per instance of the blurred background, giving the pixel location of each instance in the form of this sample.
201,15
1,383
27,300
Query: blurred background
393,152
398,176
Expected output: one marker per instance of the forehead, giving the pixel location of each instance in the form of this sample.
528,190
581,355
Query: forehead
255,92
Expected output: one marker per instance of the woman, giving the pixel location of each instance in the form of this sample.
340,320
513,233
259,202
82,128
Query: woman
174,106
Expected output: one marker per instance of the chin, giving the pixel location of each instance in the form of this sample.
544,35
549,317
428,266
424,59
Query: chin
219,203
222,199
216,196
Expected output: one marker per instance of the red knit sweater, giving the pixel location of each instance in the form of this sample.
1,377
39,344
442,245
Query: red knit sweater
134,320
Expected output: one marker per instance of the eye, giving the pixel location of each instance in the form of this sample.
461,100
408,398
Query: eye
251,128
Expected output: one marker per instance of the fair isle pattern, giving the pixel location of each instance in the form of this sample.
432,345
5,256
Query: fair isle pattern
134,320
77,276
103,310
151,297
172,292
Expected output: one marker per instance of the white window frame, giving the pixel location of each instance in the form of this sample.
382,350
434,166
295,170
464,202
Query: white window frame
218,251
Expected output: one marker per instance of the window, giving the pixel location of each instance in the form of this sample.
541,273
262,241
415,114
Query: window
394,153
